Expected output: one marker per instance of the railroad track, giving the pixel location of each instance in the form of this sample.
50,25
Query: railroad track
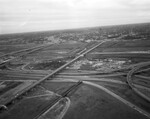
47,77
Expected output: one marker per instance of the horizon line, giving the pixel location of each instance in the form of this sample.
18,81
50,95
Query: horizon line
11,33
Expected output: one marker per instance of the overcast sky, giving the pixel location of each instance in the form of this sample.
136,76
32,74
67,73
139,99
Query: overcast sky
38,15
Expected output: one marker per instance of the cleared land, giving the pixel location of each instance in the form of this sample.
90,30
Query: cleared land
76,74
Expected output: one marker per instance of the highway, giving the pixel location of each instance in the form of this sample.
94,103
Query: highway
133,106
129,80
29,50
11,56
62,95
38,77
128,52
51,75
140,110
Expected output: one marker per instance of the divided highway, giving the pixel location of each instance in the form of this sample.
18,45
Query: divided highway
45,76
51,75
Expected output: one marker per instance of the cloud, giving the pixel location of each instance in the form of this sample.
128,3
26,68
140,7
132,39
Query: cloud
135,4
26,15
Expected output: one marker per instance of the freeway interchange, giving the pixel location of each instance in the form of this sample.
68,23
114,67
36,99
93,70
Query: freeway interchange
50,87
